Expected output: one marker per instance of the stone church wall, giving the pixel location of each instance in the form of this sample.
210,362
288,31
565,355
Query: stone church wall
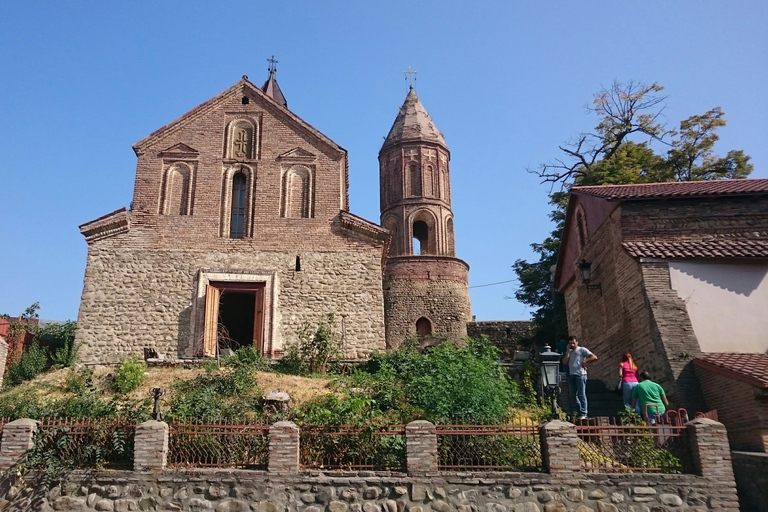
136,298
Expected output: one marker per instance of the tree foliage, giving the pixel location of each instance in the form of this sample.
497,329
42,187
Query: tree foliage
619,151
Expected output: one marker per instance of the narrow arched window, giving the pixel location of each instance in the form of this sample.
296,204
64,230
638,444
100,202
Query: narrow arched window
237,215
581,229
420,237
415,179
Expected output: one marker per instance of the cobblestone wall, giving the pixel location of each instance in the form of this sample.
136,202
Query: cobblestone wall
240,491
507,335
135,298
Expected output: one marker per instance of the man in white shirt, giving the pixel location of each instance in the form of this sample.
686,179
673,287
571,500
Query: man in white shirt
577,358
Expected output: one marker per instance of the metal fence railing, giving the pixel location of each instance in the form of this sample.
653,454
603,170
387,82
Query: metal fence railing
218,443
660,448
514,446
380,448
88,442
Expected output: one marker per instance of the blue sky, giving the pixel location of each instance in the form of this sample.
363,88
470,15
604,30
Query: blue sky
506,82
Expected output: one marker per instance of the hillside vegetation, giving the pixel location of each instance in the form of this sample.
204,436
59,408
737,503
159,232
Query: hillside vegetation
446,382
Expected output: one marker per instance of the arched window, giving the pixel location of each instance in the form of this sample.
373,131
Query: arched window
429,184
423,327
424,233
390,223
420,238
297,193
415,177
237,213
451,249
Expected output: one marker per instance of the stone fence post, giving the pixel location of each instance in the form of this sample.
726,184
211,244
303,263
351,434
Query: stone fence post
711,457
283,447
421,448
560,448
150,446
17,440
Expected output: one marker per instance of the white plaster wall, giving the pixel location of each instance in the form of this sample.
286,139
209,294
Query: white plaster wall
727,303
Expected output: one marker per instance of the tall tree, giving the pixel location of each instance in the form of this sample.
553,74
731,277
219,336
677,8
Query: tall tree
618,152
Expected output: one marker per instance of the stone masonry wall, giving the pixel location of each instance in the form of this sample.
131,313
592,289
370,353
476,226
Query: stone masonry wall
144,298
430,287
507,335
240,491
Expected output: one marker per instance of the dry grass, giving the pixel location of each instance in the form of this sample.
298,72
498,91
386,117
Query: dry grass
52,385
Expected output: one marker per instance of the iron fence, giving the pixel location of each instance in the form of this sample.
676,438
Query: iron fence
613,447
218,443
380,448
514,446
88,442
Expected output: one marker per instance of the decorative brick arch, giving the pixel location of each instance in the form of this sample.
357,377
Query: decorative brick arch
450,244
241,138
582,233
392,223
176,190
423,226
296,193
227,181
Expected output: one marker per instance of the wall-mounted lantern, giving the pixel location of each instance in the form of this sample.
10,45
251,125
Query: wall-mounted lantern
585,268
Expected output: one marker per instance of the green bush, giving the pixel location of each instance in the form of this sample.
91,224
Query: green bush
33,362
60,338
129,375
248,358
444,383
316,348
218,394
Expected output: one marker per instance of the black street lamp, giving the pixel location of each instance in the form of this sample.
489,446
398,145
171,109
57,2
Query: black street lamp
550,377
585,268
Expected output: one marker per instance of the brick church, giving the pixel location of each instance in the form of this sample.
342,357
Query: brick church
239,233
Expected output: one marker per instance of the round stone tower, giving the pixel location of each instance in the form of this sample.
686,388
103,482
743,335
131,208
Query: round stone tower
425,285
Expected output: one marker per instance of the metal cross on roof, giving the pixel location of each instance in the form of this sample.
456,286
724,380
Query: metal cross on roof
410,76
272,64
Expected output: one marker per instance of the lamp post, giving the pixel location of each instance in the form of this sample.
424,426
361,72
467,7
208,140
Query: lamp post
550,377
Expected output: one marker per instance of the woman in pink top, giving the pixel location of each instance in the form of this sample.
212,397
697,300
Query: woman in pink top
628,372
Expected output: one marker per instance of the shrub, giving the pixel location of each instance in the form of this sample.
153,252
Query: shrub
247,358
33,362
129,375
445,382
220,394
316,348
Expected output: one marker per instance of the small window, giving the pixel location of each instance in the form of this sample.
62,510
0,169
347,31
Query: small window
298,264
581,226
237,216
246,100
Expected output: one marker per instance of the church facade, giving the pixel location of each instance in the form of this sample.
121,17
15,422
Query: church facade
240,232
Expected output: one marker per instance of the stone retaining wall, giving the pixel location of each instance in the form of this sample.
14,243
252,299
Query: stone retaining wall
284,487
240,490
751,472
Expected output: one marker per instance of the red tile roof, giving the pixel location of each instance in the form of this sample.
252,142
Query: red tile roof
750,368
676,189
715,248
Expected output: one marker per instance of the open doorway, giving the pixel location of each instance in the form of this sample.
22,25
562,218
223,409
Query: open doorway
234,317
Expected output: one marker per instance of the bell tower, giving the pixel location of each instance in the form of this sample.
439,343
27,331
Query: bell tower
425,286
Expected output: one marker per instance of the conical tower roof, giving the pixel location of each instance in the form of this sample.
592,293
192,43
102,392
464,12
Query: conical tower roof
413,124
271,89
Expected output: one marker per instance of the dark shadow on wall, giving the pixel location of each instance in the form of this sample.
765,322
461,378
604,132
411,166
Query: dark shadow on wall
742,278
